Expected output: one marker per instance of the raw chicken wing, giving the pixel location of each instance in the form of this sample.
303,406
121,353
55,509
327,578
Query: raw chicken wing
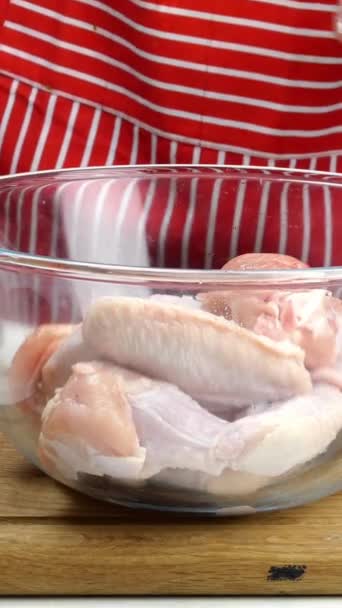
207,357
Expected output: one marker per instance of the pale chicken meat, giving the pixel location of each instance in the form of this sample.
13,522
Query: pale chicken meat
228,483
110,421
209,358
105,411
332,374
269,441
32,355
57,368
175,430
306,318
287,434
43,363
25,374
88,427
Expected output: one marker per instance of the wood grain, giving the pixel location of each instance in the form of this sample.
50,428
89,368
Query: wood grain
55,541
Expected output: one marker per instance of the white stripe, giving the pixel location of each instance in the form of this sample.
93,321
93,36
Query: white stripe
327,226
239,204
215,197
300,4
36,279
262,213
154,140
201,67
20,202
333,163
168,86
8,289
292,163
306,224
56,208
135,146
118,233
244,48
14,301
283,218
8,110
91,138
44,133
99,207
34,219
23,130
196,155
19,218
169,208
35,284
68,134
7,205
9,286
214,120
313,163
142,238
71,223
229,20
114,141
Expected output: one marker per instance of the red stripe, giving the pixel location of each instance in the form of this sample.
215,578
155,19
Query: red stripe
316,257
271,237
145,147
323,164
303,163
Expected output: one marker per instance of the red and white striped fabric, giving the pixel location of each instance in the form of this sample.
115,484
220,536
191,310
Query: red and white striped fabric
254,82
261,78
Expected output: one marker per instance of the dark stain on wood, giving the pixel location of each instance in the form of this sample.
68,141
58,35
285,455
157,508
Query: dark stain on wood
286,573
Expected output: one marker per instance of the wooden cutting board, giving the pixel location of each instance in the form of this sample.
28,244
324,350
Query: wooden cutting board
55,541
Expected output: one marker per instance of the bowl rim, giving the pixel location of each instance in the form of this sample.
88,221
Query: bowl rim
165,278
192,167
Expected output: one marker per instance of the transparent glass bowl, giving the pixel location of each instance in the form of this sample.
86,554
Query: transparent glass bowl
134,370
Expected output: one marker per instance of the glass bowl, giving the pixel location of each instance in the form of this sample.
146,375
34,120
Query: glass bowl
135,370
